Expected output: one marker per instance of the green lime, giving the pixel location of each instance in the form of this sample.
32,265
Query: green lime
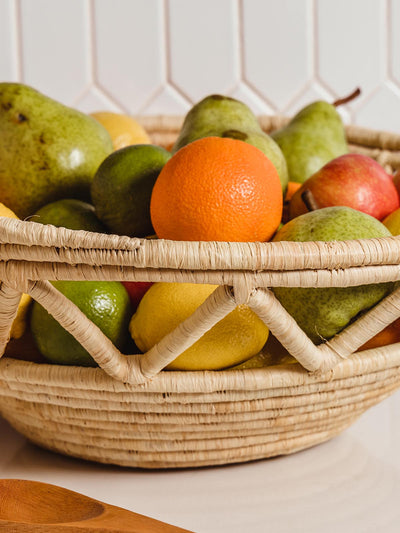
105,303
70,213
122,187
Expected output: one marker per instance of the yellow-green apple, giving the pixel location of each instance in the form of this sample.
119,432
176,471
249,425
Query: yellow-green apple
351,180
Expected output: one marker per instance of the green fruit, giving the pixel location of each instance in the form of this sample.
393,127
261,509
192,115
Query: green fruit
47,151
70,213
222,116
122,187
312,138
323,312
105,303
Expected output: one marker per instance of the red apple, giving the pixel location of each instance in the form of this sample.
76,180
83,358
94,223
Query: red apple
136,291
351,180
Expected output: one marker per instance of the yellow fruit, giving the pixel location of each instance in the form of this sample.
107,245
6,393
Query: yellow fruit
19,325
123,129
6,212
236,338
272,354
392,222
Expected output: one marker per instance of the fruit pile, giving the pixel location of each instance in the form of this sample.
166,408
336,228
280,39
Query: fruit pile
224,179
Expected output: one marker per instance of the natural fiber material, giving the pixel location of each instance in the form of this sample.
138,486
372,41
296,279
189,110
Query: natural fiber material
131,412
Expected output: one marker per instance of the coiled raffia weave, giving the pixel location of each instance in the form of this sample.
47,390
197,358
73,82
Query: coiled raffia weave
132,413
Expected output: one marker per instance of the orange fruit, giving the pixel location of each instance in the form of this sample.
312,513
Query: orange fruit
124,130
217,189
388,335
291,189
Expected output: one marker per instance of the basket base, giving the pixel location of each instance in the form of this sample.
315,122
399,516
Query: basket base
282,444
269,412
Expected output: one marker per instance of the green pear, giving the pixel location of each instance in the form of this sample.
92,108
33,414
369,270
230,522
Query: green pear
222,116
47,151
312,138
323,312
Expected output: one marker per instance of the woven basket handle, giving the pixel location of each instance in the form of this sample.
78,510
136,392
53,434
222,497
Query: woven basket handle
139,368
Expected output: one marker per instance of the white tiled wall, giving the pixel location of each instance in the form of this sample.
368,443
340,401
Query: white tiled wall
161,56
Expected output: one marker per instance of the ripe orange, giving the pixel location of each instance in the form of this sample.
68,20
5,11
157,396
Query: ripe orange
292,187
218,189
388,335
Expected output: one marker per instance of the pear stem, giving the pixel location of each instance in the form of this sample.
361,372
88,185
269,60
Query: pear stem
348,98
309,200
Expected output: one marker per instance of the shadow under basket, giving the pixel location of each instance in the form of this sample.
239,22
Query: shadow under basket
130,411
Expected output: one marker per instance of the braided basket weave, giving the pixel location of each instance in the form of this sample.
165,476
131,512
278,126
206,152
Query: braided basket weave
132,413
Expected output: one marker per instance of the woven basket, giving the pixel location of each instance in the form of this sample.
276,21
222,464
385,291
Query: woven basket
132,413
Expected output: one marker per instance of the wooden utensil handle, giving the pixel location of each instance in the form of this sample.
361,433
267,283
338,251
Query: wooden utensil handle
16,527
35,507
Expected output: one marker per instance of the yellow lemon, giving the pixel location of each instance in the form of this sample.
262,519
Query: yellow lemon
272,354
19,325
236,338
6,212
124,130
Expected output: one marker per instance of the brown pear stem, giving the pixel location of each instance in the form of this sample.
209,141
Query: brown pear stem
309,200
348,98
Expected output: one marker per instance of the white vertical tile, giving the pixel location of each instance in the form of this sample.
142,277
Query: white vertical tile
93,99
277,43
160,56
167,102
55,47
382,110
394,50
351,44
243,93
204,49
9,60
130,55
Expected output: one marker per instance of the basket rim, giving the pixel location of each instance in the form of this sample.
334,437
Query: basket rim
29,241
